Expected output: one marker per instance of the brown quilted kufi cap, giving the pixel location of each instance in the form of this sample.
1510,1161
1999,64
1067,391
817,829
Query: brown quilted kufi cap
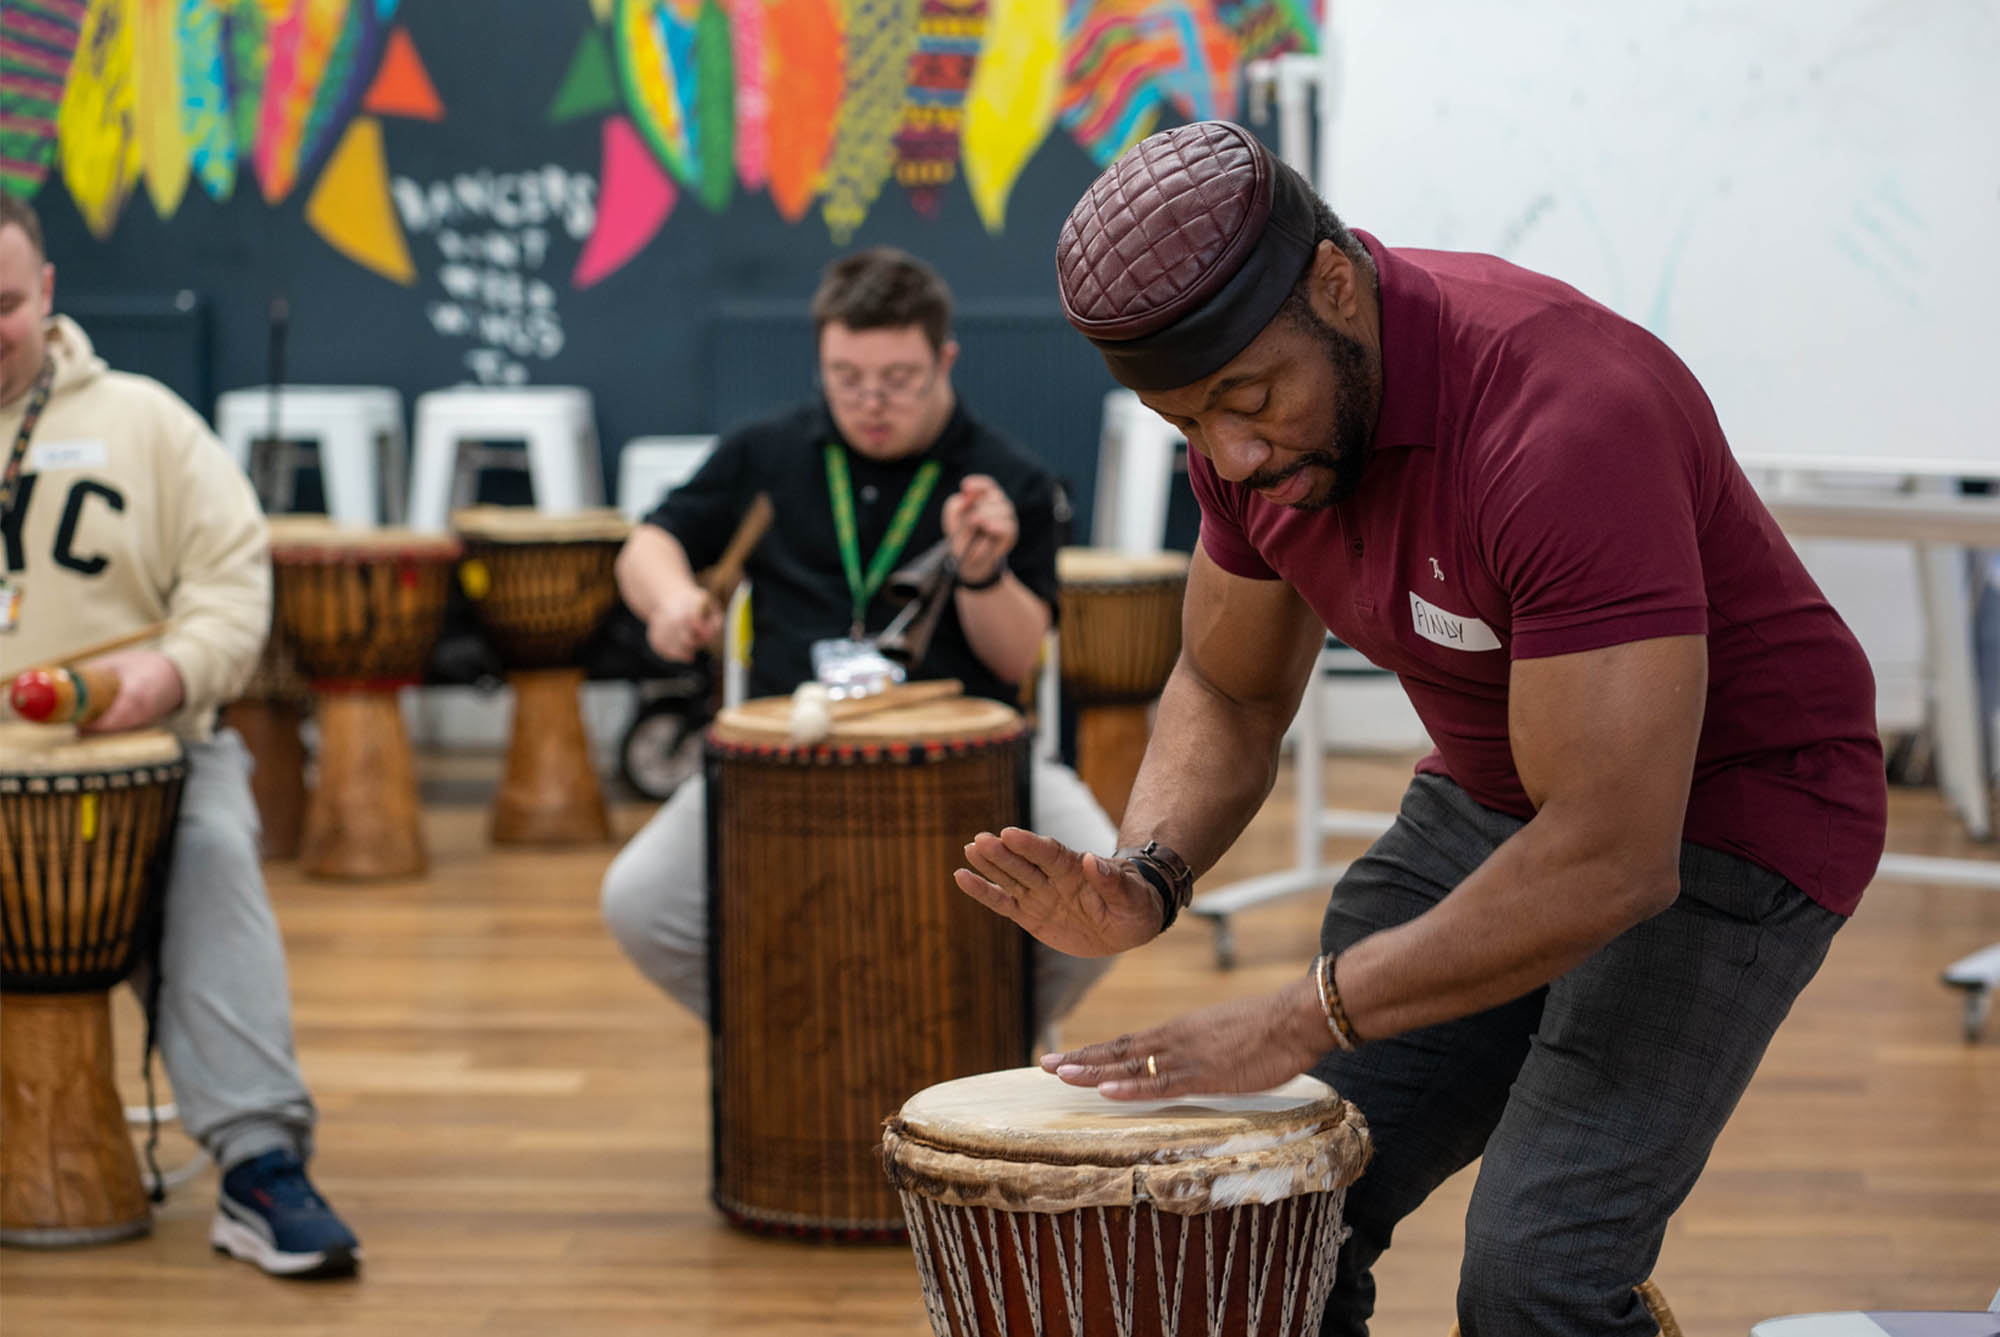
1182,251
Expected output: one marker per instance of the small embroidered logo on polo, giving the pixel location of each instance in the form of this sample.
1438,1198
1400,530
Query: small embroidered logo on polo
1436,570
1454,631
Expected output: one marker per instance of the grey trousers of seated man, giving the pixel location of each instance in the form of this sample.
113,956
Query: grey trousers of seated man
655,892
225,1020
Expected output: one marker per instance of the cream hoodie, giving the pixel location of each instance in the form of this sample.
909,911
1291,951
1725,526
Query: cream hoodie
129,511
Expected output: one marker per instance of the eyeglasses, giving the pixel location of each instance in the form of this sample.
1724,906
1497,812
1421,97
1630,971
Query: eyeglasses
900,384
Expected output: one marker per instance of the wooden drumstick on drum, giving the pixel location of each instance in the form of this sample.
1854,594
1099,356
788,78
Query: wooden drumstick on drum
815,712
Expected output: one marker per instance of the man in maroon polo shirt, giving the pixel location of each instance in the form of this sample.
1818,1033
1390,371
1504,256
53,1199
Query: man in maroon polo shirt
1656,791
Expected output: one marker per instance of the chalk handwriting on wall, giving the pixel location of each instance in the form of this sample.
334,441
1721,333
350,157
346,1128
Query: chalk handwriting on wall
495,234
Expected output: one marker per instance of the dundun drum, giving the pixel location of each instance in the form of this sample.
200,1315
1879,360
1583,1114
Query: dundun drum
541,585
362,609
1121,635
86,830
849,969
1036,1207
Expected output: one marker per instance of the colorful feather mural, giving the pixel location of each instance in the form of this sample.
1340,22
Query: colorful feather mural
96,118
302,47
805,56
714,107
810,101
1012,101
753,103
206,126
156,100
645,33
37,42
948,36
245,46
881,36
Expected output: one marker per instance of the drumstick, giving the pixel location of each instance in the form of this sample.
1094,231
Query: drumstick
894,695
722,579
145,633
814,714
64,695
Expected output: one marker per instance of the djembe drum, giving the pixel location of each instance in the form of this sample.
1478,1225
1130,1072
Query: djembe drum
1036,1207
268,714
1121,635
541,585
86,831
848,968
362,609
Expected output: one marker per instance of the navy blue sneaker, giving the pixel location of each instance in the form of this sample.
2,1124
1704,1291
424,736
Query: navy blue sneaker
268,1213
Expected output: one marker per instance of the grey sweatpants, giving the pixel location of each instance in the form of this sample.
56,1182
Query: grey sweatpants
1594,1102
655,894
225,1022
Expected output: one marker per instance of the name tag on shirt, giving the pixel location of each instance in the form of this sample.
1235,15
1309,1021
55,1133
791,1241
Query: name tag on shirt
66,455
1452,630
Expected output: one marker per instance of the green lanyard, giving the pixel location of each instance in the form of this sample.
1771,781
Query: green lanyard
901,525
10,473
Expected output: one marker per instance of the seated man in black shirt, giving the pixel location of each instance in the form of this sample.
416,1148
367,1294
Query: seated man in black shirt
888,441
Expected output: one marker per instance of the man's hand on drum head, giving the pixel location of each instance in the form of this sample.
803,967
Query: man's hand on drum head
149,689
1249,1044
1076,903
685,621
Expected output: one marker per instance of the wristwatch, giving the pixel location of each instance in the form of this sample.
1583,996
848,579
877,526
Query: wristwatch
1168,873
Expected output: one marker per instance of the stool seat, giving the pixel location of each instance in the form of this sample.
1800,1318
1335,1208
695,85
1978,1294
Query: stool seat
651,466
355,430
556,423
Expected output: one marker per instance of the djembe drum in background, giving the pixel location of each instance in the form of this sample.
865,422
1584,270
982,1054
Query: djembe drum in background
1121,635
362,609
848,968
1036,1207
540,586
268,714
86,831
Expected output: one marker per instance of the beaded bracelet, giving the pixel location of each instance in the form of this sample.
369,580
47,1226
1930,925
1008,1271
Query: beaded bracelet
1330,1005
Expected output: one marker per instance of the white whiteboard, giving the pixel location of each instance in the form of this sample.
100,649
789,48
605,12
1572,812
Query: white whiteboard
1801,197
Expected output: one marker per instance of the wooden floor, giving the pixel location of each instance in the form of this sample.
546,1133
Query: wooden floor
517,1126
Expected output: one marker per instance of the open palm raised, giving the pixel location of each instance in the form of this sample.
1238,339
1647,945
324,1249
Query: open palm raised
1081,904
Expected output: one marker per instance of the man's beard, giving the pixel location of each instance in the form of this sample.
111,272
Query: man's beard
1345,453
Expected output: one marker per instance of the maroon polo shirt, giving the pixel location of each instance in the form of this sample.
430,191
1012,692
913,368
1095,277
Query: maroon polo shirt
1548,478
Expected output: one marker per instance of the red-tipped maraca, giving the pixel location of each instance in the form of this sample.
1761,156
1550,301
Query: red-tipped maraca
63,695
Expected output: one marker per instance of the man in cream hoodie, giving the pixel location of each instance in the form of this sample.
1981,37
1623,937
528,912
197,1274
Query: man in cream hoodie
119,508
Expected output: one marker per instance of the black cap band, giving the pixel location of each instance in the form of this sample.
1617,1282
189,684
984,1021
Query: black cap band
1203,341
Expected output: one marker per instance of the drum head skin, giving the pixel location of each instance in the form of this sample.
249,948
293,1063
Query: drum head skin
1023,1140
1107,566
767,722
524,524
52,750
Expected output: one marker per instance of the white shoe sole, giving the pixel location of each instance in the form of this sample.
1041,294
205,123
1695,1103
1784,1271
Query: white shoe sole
232,1237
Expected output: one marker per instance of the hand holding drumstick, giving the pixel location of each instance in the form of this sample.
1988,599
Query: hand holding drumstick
689,617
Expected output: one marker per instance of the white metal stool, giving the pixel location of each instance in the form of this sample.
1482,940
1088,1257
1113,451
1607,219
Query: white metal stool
556,423
1137,453
651,466
356,431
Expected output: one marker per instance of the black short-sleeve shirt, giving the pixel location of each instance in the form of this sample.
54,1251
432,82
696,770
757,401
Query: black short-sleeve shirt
799,591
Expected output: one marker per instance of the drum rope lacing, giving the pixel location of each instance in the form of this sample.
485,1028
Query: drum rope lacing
1299,1223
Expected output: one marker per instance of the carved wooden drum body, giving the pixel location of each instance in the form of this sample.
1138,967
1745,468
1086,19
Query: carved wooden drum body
86,833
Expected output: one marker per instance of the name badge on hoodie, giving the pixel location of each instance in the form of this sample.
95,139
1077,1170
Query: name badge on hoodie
1453,630
53,455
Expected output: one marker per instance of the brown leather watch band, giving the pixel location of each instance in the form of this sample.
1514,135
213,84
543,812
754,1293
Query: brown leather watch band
1168,873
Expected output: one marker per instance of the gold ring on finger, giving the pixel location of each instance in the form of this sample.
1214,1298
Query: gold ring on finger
1152,1068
